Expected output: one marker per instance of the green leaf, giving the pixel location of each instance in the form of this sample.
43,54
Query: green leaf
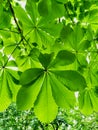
5,92
91,18
88,101
63,58
63,97
45,107
4,15
13,85
65,36
73,80
57,9
44,7
10,44
22,16
27,62
94,100
85,103
51,27
30,75
27,95
45,59
32,9
75,39
85,45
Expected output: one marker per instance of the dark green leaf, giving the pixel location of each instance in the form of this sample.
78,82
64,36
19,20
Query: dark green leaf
30,75
73,80
44,7
63,58
45,59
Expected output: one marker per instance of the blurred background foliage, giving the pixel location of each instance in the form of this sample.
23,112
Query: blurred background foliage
11,119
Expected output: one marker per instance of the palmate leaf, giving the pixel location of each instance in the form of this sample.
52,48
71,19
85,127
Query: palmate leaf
42,94
35,27
8,89
9,82
41,89
75,39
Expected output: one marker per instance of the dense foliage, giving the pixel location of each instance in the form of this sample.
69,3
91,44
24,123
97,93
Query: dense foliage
49,56
11,119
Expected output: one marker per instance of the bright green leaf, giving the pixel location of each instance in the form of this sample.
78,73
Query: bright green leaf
45,107
27,95
63,97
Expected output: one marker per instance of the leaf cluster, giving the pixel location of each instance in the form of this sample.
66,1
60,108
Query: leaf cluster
48,54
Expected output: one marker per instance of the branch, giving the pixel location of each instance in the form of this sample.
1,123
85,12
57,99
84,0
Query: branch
19,29
20,32
12,11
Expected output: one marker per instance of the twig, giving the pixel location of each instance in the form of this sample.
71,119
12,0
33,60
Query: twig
12,11
20,32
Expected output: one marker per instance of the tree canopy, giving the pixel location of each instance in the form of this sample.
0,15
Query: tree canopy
48,54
